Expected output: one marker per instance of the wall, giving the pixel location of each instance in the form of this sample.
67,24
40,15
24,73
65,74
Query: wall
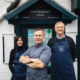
71,29
61,2
65,3
5,28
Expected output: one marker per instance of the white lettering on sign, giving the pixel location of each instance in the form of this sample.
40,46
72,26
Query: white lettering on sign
53,17
42,11
40,14
25,17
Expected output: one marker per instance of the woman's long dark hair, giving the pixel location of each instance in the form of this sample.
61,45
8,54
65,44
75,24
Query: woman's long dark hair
16,39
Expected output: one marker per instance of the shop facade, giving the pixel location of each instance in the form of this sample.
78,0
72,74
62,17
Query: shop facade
36,14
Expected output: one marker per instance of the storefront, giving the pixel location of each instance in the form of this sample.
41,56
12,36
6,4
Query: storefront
38,14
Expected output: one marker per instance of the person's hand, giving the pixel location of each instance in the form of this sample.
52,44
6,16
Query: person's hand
33,60
27,56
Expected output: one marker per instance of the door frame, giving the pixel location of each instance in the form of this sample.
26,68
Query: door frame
17,29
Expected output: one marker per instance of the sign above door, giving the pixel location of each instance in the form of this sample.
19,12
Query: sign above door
40,11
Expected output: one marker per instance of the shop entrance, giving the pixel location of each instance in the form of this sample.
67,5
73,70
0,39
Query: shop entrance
27,33
47,33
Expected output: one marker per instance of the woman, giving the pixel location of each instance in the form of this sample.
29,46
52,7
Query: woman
18,70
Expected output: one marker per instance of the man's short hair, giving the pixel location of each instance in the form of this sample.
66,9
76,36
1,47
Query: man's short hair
37,29
59,22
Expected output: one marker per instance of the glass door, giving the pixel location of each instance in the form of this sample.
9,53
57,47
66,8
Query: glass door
47,33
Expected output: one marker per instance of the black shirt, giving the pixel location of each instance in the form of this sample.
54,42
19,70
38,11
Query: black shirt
71,44
12,57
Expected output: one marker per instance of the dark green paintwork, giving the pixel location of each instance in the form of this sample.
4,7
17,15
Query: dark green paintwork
24,22
78,48
53,4
61,9
17,30
78,3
